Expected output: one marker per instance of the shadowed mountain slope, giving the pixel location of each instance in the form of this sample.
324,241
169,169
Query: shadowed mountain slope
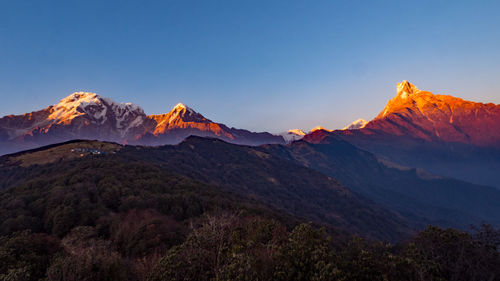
411,191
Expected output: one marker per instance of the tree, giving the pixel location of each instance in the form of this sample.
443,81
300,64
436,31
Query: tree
25,256
306,255
450,254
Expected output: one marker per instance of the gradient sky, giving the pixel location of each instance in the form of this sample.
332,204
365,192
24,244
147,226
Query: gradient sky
260,65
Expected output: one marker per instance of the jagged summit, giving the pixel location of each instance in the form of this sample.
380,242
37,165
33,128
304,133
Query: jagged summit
181,106
297,132
87,115
293,135
183,121
183,109
358,124
96,109
78,100
405,93
84,99
80,96
319,128
73,106
177,117
424,115
405,89
87,98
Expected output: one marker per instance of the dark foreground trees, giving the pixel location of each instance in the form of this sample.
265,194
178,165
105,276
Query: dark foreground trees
113,220
232,246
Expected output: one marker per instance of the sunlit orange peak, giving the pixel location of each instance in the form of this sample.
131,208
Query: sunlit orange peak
297,132
320,128
180,106
405,89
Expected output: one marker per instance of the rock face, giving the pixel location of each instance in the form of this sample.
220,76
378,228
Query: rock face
421,114
89,116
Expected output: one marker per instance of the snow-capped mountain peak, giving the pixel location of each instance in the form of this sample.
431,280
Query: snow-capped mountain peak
433,117
182,109
74,105
185,113
405,89
97,110
80,97
406,93
297,132
93,105
293,135
180,106
177,118
358,124
319,128
86,115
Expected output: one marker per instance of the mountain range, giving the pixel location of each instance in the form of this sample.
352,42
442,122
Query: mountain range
441,134
412,114
84,115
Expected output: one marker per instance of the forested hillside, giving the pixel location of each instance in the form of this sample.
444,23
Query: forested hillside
99,211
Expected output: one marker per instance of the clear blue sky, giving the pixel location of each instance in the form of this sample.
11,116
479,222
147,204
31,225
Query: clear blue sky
260,65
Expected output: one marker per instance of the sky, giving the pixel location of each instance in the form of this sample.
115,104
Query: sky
260,65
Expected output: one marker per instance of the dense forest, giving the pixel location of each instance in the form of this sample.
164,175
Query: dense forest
118,216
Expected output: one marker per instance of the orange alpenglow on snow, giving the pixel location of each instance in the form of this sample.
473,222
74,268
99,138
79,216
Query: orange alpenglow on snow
358,124
431,117
298,132
84,115
183,117
319,128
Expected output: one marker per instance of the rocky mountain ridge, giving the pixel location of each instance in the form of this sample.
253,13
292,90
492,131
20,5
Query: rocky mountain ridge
84,115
